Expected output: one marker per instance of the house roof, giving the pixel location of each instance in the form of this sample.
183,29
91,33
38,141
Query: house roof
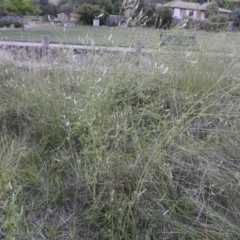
223,10
184,5
192,6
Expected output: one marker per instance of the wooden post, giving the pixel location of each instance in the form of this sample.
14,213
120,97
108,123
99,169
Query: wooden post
138,46
45,41
138,50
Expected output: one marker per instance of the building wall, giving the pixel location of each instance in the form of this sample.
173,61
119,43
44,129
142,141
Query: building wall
180,13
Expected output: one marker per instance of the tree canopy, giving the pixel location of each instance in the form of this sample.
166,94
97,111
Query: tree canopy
88,12
19,6
67,8
212,9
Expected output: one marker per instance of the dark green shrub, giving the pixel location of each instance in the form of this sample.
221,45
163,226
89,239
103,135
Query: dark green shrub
107,5
163,17
117,7
88,12
17,24
148,17
36,20
216,23
47,18
235,17
211,9
113,24
47,8
67,9
4,23
57,21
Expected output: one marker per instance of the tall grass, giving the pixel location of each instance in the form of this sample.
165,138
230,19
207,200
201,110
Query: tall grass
111,149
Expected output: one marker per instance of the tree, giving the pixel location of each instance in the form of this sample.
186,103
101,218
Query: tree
117,7
47,8
1,7
67,8
235,16
19,6
211,9
88,12
163,18
107,5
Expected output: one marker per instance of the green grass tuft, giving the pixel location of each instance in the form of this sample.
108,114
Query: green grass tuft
117,150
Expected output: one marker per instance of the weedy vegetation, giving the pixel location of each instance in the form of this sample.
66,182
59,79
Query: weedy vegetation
110,149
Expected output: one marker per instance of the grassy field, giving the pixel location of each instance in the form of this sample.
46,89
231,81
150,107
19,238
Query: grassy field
107,36
110,149
86,35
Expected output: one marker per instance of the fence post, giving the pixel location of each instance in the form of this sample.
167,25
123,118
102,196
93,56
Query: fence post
138,50
45,41
138,46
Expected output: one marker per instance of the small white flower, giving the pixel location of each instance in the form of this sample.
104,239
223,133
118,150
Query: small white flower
67,123
110,37
193,62
165,70
165,213
10,186
104,71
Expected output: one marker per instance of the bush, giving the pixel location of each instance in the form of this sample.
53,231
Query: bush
107,5
67,9
211,9
113,24
47,18
148,16
36,20
88,12
193,23
48,9
57,22
235,17
163,17
4,23
117,7
216,23
141,18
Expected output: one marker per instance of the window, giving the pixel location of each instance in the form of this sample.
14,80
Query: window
176,12
190,13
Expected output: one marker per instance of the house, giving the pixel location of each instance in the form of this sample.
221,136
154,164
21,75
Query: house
64,16
197,11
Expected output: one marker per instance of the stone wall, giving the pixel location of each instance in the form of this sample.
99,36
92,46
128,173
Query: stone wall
25,53
35,24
